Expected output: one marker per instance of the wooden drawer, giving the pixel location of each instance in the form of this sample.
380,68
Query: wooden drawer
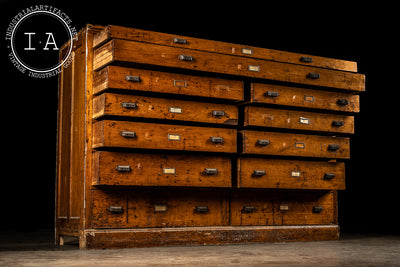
127,134
290,174
164,82
160,108
118,50
299,120
219,47
283,208
299,97
132,169
129,209
285,144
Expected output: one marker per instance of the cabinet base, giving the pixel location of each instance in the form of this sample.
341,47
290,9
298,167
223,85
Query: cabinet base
184,236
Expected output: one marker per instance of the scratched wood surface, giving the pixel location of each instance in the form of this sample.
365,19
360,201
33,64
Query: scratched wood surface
290,174
161,108
161,170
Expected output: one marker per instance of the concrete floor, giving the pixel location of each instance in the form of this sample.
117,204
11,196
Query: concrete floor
37,249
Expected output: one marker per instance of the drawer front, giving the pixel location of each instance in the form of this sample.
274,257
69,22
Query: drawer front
128,209
160,108
141,53
164,82
299,97
163,136
132,169
273,208
290,174
284,144
299,120
219,47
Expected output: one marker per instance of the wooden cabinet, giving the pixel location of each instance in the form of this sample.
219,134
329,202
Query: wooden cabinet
175,140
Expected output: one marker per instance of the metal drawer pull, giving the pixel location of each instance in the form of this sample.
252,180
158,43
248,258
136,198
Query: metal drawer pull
271,94
259,173
333,147
329,176
342,102
129,105
132,78
123,168
337,123
116,209
201,209
210,171
216,139
218,113
127,134
317,209
314,76
306,59
261,142
178,40
185,58
248,209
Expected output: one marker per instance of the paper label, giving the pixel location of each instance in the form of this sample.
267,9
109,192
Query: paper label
169,170
284,207
174,137
247,51
160,208
295,174
304,120
253,68
299,145
175,110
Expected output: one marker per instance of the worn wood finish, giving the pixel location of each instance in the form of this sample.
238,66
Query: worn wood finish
186,236
298,120
162,136
118,50
274,208
159,209
160,170
285,144
290,174
165,82
307,98
160,108
118,32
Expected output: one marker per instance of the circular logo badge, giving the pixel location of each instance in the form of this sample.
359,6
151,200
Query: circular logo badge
35,36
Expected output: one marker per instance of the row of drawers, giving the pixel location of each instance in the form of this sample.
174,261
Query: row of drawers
135,169
126,134
178,84
132,106
144,54
130,209
166,39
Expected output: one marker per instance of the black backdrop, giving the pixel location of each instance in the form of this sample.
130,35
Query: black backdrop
360,33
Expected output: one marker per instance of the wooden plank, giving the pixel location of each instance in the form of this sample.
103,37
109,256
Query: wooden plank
138,35
164,82
163,136
307,98
185,236
290,174
298,120
158,209
142,53
161,170
160,108
301,145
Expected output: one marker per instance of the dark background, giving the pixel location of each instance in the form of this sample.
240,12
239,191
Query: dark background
366,34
